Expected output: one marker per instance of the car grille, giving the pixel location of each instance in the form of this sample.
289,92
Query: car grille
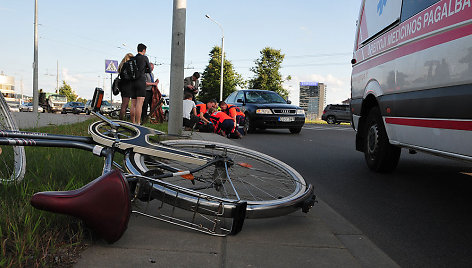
284,111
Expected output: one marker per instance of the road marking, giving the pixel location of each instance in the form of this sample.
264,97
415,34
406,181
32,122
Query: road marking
329,128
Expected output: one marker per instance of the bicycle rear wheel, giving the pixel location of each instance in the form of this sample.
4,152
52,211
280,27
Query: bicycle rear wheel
12,158
270,187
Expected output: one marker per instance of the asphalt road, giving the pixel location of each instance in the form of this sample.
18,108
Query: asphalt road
420,215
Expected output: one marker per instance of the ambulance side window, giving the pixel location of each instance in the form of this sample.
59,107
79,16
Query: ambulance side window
413,7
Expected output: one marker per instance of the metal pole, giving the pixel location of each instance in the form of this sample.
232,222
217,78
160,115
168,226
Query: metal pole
177,67
222,64
222,55
57,77
111,89
35,63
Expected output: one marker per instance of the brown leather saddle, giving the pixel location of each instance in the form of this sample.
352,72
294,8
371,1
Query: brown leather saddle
103,204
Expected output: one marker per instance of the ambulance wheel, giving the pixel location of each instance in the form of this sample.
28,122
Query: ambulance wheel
379,154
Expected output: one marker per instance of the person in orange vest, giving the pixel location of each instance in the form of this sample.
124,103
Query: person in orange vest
224,124
233,111
202,108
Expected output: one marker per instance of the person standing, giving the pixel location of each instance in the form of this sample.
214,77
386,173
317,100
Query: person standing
148,98
191,84
125,87
139,85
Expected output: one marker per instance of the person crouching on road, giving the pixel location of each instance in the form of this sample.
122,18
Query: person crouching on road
224,124
234,112
202,110
189,112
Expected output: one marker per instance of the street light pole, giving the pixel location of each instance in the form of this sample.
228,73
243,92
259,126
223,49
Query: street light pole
177,67
35,63
222,55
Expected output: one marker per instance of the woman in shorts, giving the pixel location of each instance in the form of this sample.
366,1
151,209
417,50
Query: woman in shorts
125,87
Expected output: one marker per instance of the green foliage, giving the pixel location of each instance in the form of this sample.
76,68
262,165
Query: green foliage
211,77
82,100
34,238
267,72
67,91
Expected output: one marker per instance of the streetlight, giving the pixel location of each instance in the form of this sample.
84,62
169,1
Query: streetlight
222,54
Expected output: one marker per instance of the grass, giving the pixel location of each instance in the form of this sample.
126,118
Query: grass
30,237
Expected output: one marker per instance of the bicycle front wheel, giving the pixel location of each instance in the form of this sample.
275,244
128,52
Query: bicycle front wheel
12,158
270,187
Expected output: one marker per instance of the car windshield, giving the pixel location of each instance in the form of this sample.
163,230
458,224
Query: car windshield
263,97
106,103
58,98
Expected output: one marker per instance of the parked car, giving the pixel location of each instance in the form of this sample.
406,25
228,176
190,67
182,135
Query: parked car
267,109
411,80
73,107
165,107
28,107
106,107
336,113
13,105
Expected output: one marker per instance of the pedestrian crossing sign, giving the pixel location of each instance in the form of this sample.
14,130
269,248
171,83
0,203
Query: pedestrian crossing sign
111,66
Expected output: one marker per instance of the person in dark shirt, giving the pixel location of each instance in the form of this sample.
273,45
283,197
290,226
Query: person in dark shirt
139,85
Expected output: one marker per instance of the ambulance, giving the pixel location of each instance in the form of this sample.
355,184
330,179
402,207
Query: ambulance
411,82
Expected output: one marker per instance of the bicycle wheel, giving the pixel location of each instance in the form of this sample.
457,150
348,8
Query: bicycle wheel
270,187
12,158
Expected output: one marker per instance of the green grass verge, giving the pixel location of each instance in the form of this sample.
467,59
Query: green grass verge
30,237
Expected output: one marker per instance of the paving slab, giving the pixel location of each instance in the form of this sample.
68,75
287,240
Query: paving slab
321,238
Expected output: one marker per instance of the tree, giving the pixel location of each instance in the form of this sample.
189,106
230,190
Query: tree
82,100
67,91
267,72
211,77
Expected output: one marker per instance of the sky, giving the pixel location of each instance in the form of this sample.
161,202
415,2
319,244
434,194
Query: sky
317,38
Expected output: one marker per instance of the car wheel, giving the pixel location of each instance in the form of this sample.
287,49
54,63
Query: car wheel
295,130
331,119
379,154
166,116
87,112
248,125
63,112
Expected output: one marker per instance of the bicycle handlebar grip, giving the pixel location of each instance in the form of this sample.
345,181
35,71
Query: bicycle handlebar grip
103,204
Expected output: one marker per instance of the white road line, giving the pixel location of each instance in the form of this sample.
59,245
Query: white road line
330,128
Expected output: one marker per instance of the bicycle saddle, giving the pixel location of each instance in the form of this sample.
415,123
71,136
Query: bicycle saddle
103,204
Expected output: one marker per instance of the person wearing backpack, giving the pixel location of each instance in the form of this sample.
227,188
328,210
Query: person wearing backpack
138,93
125,86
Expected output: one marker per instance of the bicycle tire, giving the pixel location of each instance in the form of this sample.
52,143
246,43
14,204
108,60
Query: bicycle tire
12,157
267,176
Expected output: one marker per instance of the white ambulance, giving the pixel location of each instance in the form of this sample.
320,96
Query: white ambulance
411,82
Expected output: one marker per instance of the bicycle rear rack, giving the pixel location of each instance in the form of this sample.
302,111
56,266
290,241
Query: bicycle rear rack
171,207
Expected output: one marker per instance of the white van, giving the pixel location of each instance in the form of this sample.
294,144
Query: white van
411,82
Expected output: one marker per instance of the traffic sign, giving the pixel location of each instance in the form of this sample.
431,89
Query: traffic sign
111,66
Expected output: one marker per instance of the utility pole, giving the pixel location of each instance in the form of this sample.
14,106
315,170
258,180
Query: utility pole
35,63
57,77
177,67
222,54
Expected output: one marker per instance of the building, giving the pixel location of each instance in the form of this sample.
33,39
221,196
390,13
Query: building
7,87
313,98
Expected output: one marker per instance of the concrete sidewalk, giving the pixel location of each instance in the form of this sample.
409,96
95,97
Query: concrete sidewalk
321,238
26,120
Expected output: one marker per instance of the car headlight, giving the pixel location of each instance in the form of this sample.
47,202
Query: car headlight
263,111
301,111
